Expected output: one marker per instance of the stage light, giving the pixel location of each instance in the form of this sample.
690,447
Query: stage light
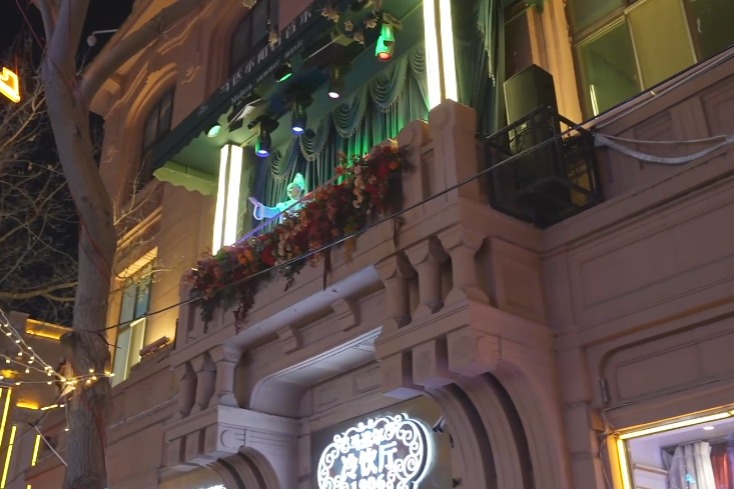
336,81
299,118
283,72
213,130
264,144
385,44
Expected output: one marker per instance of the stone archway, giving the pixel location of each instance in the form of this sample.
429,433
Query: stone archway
248,469
490,444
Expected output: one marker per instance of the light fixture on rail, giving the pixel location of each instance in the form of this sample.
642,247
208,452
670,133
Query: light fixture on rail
264,143
213,130
385,45
336,80
299,118
283,72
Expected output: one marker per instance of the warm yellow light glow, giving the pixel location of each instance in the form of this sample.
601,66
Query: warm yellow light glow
623,466
36,446
44,330
233,194
10,85
451,90
8,457
8,394
26,405
221,199
433,73
673,426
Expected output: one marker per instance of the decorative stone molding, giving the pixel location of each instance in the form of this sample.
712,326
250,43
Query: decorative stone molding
395,271
221,431
430,364
472,352
462,244
226,360
347,313
396,376
186,388
427,257
206,372
290,338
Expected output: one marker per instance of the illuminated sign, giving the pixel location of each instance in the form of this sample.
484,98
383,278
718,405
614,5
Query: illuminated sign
388,452
9,85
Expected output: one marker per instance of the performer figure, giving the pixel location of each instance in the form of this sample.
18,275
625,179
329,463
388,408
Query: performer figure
295,191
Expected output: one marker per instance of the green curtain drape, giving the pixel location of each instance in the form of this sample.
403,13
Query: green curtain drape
373,113
481,63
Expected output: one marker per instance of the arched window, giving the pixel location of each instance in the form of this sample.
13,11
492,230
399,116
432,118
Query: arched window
252,32
157,125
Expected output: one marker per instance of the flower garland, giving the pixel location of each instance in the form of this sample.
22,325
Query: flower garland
370,186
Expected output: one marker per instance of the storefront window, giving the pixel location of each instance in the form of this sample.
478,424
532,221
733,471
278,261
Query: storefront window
699,455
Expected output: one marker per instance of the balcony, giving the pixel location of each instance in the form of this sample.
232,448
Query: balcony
545,168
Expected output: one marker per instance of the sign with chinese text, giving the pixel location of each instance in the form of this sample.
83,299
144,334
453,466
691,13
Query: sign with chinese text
386,452
9,85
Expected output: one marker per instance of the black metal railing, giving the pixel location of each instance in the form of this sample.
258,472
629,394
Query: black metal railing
551,174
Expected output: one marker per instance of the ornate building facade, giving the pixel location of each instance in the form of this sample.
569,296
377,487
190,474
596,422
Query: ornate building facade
551,308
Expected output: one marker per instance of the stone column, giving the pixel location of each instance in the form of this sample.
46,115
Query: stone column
186,388
206,373
426,258
462,245
395,272
226,360
453,127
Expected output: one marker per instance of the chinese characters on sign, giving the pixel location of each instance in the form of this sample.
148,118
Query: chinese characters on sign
9,85
388,452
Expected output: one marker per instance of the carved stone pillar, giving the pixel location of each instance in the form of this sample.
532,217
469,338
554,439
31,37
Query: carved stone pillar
225,360
206,373
396,272
427,258
462,245
186,388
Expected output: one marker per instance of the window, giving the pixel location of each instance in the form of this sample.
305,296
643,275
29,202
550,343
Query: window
157,125
131,333
625,46
252,32
684,453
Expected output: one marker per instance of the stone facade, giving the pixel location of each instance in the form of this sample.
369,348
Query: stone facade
536,346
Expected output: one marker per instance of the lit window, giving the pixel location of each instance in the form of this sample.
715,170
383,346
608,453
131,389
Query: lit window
133,310
693,452
157,125
621,51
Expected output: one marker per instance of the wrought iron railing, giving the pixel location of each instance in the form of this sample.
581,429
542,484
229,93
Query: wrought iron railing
544,168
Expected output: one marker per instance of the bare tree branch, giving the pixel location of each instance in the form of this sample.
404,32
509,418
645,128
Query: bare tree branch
49,13
44,291
67,32
133,43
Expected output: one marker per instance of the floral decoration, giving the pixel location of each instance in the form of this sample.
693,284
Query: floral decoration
369,187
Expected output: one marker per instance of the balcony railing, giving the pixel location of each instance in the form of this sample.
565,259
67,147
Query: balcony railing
545,168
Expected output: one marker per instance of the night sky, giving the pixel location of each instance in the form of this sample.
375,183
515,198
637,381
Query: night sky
103,14
21,18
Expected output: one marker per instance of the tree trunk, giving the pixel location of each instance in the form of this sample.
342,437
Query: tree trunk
86,345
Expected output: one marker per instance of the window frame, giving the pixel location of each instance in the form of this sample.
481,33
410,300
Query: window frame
246,23
580,37
141,284
162,128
